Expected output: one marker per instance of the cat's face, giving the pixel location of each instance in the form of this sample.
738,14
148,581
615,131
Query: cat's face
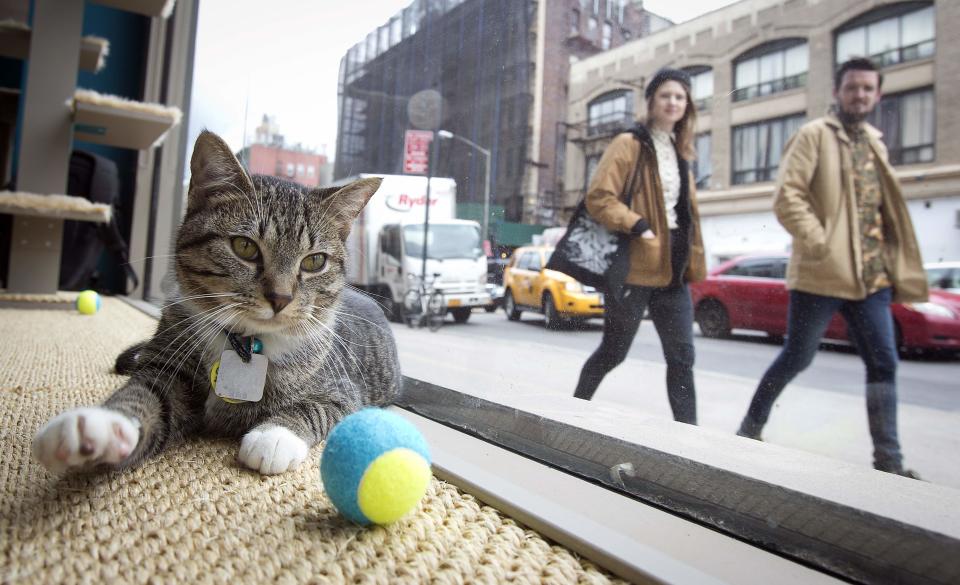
259,254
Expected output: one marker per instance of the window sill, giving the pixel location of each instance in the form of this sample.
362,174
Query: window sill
635,541
843,519
746,102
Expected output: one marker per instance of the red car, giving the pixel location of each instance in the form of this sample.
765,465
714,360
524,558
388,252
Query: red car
749,293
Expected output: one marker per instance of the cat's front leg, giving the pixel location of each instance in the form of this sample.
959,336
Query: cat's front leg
84,437
271,449
133,424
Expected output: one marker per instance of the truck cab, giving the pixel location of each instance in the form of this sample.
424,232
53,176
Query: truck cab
453,253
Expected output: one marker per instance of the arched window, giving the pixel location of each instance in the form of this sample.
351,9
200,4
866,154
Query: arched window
701,85
610,113
771,68
888,35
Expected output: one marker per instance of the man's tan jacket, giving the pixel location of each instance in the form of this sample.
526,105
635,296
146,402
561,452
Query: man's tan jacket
816,202
649,259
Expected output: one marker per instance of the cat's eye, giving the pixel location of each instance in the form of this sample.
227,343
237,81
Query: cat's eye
245,248
313,263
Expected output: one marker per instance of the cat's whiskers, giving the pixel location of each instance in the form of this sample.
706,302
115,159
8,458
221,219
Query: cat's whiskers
145,258
177,323
337,339
200,360
201,324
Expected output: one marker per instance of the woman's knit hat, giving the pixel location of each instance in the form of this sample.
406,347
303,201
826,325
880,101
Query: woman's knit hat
667,74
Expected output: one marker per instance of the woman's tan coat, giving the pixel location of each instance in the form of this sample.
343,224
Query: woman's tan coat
649,259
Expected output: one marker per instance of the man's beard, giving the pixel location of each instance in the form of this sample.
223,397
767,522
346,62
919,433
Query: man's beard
851,118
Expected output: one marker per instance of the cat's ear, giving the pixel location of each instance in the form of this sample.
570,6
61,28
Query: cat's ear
343,206
214,169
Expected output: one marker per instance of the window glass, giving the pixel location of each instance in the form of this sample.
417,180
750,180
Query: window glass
883,36
607,36
851,43
908,123
610,113
444,242
702,168
701,85
757,148
894,39
534,262
917,27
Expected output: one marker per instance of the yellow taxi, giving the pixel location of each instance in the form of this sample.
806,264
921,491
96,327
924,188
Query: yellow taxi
528,286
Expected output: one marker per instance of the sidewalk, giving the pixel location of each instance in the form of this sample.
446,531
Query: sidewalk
817,421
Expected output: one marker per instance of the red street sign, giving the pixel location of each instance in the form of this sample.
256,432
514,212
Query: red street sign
416,151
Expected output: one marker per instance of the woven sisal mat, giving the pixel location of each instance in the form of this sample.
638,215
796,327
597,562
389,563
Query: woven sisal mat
193,515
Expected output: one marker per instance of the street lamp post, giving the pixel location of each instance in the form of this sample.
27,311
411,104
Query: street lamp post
486,186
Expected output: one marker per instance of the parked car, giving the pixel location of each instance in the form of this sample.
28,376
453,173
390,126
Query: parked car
749,293
944,275
528,286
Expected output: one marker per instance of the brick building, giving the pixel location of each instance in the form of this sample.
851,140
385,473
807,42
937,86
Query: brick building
760,69
501,67
270,155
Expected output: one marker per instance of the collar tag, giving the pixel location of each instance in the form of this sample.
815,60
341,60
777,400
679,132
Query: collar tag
239,381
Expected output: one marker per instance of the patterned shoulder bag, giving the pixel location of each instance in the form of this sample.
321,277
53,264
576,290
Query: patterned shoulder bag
591,253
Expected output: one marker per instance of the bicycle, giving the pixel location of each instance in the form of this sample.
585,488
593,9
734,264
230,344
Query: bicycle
425,305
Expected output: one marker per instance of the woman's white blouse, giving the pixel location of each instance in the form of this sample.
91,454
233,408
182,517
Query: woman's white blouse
669,174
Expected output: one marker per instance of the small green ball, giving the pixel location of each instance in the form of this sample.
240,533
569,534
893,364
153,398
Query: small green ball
88,302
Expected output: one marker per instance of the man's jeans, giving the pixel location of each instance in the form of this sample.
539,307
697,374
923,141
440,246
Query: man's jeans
871,330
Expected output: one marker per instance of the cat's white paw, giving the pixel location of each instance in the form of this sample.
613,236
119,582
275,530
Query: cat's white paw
272,449
85,436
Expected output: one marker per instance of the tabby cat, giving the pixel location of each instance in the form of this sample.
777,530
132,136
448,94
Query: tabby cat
259,272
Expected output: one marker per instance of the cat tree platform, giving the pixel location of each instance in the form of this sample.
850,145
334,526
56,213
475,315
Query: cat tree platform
115,121
161,8
15,44
53,206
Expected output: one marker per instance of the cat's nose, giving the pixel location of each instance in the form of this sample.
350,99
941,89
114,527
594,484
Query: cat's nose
278,301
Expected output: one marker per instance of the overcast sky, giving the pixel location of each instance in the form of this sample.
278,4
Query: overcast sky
282,58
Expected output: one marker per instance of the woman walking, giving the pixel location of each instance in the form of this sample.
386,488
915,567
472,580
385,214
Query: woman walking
666,250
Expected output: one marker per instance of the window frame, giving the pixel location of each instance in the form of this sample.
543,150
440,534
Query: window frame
763,88
768,171
616,120
703,182
895,153
901,53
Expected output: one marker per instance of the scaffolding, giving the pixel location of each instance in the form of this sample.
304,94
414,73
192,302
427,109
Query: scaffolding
477,54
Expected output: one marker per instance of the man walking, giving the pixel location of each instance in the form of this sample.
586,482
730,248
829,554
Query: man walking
854,251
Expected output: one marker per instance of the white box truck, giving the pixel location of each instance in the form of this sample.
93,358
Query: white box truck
385,246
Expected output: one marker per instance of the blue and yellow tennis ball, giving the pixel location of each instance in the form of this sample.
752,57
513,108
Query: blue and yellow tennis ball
88,302
375,466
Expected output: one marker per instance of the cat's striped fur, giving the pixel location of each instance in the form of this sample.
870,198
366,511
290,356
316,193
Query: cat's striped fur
330,348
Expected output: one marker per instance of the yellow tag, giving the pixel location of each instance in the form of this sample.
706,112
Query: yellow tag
453,302
214,369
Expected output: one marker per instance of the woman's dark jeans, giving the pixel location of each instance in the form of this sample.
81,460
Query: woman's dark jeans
872,332
672,313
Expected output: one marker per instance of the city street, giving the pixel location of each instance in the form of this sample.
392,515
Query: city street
823,411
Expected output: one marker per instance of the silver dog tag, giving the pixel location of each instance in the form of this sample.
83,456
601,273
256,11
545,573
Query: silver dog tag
239,381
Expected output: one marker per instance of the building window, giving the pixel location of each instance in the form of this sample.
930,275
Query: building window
701,85
596,6
610,113
621,9
289,169
300,170
702,167
889,35
908,123
592,162
607,37
396,30
574,22
372,45
770,69
609,9
310,170
757,148
592,24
